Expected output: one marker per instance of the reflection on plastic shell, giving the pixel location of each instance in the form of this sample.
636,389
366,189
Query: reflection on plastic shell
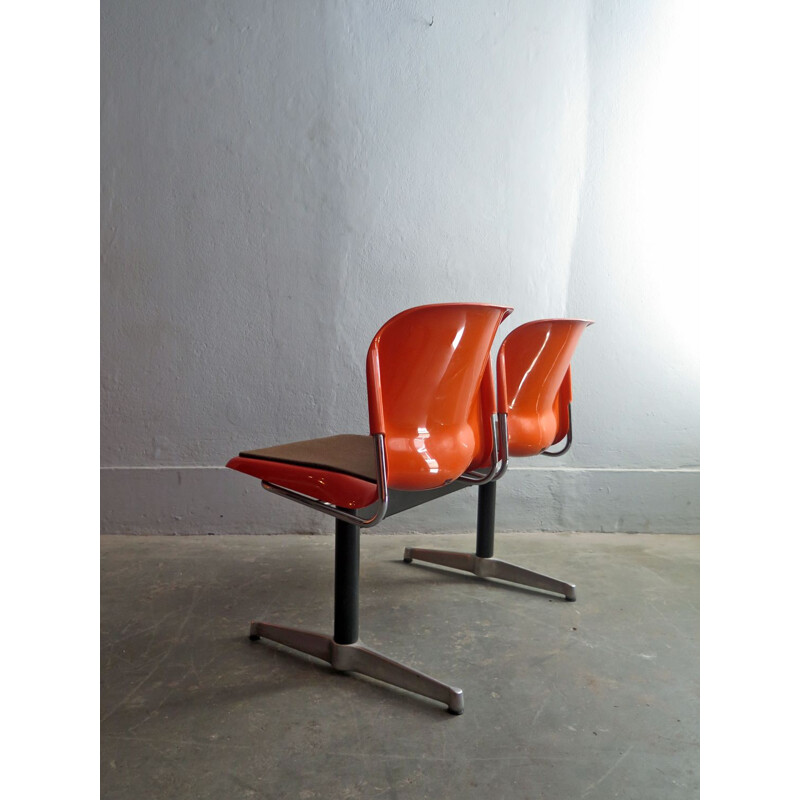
528,371
534,382
424,433
425,368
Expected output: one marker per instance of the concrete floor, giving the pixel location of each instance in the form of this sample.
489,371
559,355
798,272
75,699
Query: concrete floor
593,699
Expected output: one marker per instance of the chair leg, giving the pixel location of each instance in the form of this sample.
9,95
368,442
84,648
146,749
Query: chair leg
444,558
495,568
344,651
362,660
483,564
365,661
313,644
490,568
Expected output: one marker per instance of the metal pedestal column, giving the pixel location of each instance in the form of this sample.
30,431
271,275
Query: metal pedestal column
484,545
345,587
344,651
482,563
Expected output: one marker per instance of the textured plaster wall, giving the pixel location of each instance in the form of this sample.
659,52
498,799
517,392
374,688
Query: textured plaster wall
279,178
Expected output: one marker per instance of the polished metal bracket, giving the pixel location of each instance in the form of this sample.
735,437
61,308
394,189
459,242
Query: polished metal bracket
499,454
569,439
335,511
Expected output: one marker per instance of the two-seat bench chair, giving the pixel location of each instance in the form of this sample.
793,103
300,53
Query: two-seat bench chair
428,376
436,426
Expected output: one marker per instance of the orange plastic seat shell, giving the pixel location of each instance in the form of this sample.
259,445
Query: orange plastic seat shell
339,488
534,384
425,369
428,379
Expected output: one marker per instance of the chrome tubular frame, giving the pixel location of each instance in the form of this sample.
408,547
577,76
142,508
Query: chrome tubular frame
502,435
499,454
569,439
335,511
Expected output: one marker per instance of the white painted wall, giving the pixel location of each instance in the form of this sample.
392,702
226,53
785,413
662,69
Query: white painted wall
280,177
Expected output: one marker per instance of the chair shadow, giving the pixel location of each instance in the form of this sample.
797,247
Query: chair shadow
305,669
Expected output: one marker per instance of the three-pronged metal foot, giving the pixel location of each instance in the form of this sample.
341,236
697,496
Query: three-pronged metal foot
490,568
363,660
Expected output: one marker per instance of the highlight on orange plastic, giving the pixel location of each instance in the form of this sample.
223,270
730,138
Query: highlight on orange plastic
425,371
534,384
431,396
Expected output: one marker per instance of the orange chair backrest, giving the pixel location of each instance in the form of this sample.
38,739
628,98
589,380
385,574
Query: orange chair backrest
534,384
425,368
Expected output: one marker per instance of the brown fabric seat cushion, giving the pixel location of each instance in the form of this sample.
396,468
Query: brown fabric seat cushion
347,453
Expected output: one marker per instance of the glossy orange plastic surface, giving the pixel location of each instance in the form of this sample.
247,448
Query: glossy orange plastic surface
425,370
345,491
429,384
534,383
480,419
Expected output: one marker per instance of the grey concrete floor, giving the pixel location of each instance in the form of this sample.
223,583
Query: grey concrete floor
593,699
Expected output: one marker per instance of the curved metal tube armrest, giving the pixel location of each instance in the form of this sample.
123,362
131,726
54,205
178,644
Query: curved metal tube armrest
478,478
569,439
499,455
335,511
502,427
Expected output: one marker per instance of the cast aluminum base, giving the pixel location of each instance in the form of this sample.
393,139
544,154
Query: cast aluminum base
490,568
358,658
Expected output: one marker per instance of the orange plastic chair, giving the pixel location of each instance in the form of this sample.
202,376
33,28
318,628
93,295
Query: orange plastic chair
534,404
426,380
